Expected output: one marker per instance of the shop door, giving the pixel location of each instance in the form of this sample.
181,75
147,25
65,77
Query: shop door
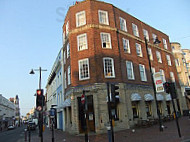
90,115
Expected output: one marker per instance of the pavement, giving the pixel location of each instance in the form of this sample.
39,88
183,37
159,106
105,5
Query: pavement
150,134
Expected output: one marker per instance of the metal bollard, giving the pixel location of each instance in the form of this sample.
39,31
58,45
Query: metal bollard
109,133
25,132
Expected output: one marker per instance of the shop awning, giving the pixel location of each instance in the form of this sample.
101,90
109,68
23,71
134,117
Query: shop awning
148,97
168,97
67,103
159,97
135,97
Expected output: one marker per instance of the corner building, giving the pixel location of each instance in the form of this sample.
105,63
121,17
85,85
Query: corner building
102,43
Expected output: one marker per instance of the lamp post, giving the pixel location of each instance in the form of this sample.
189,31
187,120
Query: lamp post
152,79
41,112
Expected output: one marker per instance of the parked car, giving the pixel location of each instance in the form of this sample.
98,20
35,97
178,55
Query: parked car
10,127
31,126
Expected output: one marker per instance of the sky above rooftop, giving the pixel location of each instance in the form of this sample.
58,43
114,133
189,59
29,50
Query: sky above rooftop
31,37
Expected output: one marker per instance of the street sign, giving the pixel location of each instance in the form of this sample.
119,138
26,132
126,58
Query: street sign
39,108
158,82
83,99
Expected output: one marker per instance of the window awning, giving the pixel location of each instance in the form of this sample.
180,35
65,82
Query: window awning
67,103
148,97
168,97
159,97
135,97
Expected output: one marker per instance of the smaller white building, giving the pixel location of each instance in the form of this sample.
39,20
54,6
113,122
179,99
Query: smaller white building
7,112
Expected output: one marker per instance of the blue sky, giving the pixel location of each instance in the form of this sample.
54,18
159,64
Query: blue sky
31,36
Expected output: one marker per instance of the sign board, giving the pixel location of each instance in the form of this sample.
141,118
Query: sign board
39,108
82,99
52,112
158,82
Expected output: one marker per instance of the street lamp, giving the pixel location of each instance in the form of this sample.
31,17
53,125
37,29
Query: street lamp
154,88
41,112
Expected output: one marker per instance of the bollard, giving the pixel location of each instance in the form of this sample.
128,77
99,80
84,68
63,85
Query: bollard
109,134
25,132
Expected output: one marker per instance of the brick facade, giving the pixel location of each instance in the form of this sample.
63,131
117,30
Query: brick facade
95,54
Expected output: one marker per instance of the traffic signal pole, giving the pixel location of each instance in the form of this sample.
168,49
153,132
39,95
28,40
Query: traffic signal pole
109,112
176,118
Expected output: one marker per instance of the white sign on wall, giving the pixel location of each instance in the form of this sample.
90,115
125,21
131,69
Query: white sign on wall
158,82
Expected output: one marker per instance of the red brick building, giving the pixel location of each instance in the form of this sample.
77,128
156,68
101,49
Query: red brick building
102,43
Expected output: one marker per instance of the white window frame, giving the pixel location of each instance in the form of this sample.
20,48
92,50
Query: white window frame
168,60
67,28
65,79
103,21
80,63
154,36
126,45
107,74
162,75
146,35
138,50
123,25
69,75
130,76
142,72
84,45
153,70
150,53
172,76
64,57
79,15
135,30
158,55
68,50
107,42
165,43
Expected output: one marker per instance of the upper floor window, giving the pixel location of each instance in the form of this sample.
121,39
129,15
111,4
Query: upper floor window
63,38
103,17
64,57
158,55
80,18
82,42
172,76
154,37
69,75
130,73
142,72
67,28
123,25
68,50
145,32
135,30
153,70
108,67
65,79
106,40
165,43
162,75
138,50
126,45
150,53
177,63
168,60
84,69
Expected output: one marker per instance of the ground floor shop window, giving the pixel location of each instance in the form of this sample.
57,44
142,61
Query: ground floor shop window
135,109
160,107
148,108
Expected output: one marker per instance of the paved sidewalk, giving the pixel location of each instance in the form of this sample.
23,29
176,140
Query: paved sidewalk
150,134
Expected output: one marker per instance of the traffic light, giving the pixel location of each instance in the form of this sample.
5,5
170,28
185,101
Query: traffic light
40,99
167,87
173,91
114,93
